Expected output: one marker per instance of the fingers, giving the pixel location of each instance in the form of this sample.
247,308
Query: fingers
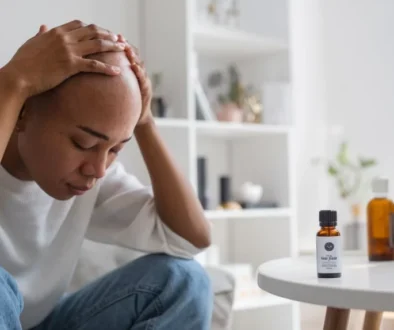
140,72
136,64
92,31
132,55
87,65
70,26
98,46
43,29
121,38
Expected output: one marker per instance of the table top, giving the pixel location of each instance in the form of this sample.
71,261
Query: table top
363,285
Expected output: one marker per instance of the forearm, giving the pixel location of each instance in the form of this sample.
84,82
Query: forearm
11,102
176,202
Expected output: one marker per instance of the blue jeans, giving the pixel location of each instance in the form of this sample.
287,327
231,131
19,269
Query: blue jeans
153,292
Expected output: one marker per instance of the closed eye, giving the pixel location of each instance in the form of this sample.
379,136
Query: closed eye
78,146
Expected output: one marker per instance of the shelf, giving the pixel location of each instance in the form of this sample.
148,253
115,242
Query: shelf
266,300
172,122
223,41
236,130
248,214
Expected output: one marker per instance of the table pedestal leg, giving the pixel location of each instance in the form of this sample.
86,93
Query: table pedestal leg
372,320
336,319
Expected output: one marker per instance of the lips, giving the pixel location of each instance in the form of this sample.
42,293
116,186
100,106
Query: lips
78,190
83,188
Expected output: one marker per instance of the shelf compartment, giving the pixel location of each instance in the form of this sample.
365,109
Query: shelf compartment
249,213
237,130
219,40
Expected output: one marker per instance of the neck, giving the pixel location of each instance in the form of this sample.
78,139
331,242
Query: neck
12,161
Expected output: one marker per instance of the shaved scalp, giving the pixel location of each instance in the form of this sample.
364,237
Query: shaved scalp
83,88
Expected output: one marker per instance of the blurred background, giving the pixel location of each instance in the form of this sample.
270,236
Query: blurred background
274,109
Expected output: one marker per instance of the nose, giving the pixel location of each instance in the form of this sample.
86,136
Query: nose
95,166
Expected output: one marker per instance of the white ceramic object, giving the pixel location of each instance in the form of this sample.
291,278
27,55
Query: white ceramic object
250,193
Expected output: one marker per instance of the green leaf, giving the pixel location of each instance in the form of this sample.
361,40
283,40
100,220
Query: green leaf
332,170
342,189
342,156
367,162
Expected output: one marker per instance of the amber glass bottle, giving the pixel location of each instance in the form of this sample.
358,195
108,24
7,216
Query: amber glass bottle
379,211
328,246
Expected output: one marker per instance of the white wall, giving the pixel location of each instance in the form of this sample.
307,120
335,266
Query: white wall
20,21
343,75
359,60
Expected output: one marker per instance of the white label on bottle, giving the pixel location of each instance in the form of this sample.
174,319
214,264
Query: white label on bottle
328,254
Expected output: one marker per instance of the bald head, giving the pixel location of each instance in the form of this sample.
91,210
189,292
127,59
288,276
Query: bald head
91,95
68,136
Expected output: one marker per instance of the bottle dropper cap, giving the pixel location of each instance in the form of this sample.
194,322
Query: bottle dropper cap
328,218
380,186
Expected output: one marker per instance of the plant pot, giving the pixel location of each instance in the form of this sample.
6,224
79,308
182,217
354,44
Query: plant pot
230,112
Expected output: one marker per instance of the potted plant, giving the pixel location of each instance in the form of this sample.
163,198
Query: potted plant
351,181
230,103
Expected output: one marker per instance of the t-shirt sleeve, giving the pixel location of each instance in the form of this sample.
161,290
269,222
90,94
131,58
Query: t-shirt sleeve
125,215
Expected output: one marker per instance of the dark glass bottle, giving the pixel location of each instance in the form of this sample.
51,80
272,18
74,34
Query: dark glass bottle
379,212
328,246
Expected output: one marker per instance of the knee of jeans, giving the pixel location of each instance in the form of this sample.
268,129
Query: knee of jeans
186,275
9,285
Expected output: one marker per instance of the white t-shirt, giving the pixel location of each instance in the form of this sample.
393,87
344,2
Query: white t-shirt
41,238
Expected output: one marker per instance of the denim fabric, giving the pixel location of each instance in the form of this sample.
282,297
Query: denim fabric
154,292
11,302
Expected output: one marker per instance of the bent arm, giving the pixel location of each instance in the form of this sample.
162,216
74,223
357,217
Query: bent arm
12,98
176,202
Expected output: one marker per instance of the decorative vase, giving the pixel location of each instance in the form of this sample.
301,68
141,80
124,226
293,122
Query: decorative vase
230,112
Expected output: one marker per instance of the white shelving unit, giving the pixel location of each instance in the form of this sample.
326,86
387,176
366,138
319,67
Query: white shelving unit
236,130
267,213
259,153
216,40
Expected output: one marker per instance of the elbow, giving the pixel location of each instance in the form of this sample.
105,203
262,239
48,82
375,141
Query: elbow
204,239
203,242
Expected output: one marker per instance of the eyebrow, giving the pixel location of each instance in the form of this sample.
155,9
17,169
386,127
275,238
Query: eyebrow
98,134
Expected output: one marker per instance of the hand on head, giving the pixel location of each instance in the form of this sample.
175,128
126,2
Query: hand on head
76,103
52,56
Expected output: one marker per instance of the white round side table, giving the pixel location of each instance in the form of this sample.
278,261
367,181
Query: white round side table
363,285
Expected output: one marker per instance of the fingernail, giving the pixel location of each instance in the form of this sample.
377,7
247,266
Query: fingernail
114,37
122,45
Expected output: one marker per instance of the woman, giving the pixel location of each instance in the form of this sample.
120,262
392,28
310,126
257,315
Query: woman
71,98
